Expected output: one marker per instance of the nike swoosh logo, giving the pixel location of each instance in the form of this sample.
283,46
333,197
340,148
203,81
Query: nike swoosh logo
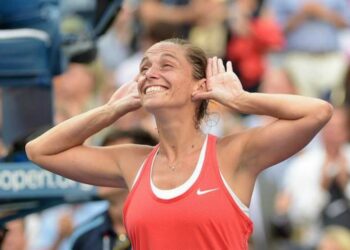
201,192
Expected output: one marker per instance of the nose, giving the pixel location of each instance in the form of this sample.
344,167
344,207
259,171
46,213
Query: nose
152,72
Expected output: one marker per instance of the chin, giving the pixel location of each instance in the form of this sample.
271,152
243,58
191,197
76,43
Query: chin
151,105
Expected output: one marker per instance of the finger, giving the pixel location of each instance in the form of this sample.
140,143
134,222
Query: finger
140,78
140,81
221,66
201,96
209,72
208,86
229,66
215,66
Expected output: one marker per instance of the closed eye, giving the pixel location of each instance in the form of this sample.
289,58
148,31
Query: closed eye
167,66
143,69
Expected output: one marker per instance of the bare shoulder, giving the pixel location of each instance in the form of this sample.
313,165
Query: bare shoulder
230,149
230,155
233,141
129,158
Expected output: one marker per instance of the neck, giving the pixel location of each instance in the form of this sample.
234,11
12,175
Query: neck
178,136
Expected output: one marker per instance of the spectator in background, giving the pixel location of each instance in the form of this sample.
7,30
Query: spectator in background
13,237
148,36
335,173
65,229
313,57
56,225
3,232
51,229
76,90
42,15
252,37
116,44
317,183
182,13
106,231
335,238
81,87
209,32
274,81
201,22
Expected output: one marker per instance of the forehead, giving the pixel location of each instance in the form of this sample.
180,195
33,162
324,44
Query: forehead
166,49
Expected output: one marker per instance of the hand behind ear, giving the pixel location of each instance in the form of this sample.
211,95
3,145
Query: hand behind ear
128,94
222,85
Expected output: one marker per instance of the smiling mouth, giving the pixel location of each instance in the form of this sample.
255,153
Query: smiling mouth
154,89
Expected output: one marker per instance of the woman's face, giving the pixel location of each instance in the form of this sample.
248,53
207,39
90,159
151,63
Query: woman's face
169,81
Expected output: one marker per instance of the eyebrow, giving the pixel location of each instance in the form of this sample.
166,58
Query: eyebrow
170,55
143,60
162,55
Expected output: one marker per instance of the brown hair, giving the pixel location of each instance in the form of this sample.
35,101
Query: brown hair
198,59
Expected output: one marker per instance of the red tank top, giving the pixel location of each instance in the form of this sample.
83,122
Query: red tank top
203,217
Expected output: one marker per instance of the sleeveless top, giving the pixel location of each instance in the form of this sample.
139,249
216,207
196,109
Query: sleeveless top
200,214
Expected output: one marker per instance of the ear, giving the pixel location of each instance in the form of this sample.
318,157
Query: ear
201,85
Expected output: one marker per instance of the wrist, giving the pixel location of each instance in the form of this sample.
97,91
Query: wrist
113,110
239,101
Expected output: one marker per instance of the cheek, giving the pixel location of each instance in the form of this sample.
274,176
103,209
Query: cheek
180,84
184,91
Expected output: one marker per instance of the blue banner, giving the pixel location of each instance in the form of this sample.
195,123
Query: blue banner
28,181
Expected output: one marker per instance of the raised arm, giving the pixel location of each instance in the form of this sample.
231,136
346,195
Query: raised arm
298,120
61,149
315,10
192,12
169,14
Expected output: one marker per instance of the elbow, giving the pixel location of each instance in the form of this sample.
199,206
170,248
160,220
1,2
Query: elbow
31,151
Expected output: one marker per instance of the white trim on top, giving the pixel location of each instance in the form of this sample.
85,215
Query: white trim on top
167,194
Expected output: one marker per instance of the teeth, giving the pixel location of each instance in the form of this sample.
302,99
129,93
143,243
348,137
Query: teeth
154,89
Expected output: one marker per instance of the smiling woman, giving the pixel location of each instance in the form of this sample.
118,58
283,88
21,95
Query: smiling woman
173,61
192,190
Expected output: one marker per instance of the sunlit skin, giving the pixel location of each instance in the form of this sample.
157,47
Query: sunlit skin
166,66
173,101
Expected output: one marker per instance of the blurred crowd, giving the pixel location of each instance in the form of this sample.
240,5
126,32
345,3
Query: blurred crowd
276,46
